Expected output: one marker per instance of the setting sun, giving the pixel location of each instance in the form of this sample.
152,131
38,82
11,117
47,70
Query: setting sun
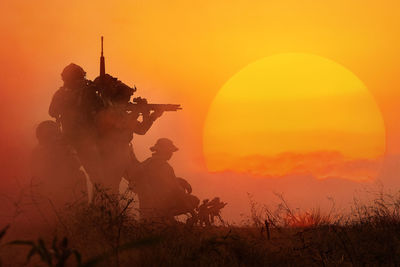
292,113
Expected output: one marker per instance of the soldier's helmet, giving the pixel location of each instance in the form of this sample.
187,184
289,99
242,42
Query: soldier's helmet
164,145
114,89
72,72
47,131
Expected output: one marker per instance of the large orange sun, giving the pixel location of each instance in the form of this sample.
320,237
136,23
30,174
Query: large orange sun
295,113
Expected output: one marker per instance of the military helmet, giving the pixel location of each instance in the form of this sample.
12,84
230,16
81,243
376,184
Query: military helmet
113,88
164,144
47,130
72,72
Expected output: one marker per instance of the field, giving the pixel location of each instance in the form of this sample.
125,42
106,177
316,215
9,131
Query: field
106,234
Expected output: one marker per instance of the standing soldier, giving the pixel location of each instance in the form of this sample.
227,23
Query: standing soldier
74,106
116,125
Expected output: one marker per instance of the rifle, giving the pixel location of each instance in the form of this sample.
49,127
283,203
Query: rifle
140,105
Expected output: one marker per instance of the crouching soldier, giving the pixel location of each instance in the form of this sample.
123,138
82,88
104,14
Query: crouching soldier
56,171
161,194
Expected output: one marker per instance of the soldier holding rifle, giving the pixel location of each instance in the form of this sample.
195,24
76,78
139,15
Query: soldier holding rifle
117,123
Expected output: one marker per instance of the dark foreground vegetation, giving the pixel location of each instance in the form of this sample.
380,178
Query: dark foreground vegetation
106,234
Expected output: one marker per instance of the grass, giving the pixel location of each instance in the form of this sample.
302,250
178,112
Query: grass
106,233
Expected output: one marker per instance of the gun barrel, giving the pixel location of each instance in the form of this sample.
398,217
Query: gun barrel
152,107
102,61
165,107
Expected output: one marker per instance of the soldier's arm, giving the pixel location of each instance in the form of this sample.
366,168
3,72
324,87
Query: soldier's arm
185,184
142,127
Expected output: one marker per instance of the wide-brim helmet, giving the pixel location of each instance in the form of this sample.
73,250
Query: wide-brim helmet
164,144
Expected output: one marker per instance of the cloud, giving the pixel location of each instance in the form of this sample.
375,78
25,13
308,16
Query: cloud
320,164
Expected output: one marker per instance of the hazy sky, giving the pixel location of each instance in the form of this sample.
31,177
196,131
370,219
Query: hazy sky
183,52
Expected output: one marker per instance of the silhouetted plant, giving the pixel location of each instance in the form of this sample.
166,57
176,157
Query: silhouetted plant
57,255
2,234
113,236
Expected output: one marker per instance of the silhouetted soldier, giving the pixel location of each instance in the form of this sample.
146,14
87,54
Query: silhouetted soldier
75,105
56,173
160,191
116,125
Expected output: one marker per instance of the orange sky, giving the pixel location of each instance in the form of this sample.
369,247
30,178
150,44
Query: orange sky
183,52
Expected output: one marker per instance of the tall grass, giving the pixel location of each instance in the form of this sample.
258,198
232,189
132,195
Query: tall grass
107,233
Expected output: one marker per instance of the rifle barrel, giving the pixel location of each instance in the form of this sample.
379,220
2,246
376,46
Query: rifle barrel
164,107
102,61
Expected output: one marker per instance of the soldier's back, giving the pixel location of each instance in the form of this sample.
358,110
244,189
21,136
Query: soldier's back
76,109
